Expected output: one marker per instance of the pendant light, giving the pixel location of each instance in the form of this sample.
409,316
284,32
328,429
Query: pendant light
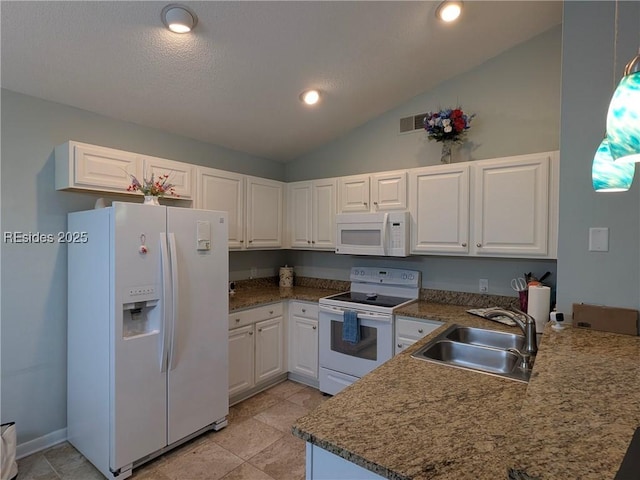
606,174
623,117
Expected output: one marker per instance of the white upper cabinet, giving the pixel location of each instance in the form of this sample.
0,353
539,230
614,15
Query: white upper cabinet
511,206
181,175
80,166
353,194
373,193
265,213
220,190
389,191
439,206
312,207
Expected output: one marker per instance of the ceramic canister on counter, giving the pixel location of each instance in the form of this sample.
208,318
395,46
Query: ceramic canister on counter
286,276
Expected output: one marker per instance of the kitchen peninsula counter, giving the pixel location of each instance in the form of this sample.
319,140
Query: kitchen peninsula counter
411,419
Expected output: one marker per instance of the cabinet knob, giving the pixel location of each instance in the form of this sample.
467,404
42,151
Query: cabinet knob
365,203
464,244
314,327
304,310
308,241
250,241
250,333
313,241
420,330
259,330
399,345
270,312
237,320
478,245
241,241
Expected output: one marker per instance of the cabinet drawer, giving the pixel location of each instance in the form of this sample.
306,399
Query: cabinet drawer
415,329
306,310
253,315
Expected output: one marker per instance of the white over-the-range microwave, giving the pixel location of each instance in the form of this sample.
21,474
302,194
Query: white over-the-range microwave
381,234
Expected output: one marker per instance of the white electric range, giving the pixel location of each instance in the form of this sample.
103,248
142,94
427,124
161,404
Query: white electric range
374,295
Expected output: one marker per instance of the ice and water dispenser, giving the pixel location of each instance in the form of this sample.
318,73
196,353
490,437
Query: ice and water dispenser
141,311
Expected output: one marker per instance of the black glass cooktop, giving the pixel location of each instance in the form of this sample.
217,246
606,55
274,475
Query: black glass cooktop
368,299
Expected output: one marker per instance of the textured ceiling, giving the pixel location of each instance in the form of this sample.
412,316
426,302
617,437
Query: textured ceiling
235,80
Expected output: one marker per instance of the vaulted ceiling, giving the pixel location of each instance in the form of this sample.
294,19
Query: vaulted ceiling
235,80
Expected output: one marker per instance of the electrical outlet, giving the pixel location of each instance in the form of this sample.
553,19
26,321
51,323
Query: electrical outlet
254,272
484,285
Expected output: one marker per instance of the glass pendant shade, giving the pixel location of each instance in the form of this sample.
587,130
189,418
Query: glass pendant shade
608,175
623,120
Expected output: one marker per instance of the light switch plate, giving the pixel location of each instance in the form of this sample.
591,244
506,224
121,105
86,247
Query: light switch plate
598,239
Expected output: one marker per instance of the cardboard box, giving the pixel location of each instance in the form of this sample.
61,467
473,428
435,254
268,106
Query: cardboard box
606,319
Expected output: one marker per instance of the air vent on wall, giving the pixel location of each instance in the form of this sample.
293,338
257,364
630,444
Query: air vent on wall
413,123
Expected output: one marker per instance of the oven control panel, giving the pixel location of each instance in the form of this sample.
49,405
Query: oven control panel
385,276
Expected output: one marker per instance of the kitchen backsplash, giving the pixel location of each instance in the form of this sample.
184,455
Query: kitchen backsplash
428,295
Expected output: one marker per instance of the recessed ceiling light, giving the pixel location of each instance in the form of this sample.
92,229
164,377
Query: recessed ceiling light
310,97
178,18
449,11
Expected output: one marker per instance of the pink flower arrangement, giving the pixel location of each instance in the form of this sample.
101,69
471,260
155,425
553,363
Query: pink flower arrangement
153,187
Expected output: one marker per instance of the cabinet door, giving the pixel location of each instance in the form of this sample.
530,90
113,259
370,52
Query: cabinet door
324,214
269,348
241,359
90,167
180,174
300,200
304,346
264,213
220,190
353,194
389,191
439,205
511,206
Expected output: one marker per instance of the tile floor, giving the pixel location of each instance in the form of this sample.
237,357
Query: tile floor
256,445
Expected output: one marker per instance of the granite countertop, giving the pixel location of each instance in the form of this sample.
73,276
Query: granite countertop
411,419
260,293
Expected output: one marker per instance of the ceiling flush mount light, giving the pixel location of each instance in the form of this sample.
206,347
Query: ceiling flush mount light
310,97
449,11
179,18
608,175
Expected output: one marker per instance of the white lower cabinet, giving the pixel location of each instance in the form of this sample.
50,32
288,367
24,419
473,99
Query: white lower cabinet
409,330
256,347
303,340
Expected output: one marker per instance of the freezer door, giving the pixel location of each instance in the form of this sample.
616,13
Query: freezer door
138,385
198,364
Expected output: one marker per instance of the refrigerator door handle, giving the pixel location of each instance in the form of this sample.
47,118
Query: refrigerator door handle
173,256
166,292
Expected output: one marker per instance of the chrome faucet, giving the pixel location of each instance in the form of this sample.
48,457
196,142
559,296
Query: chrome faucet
528,326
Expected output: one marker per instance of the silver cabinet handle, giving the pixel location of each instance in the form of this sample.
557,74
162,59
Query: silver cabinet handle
420,330
399,345
478,245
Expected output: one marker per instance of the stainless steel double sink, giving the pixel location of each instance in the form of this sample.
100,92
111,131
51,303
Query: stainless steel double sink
477,349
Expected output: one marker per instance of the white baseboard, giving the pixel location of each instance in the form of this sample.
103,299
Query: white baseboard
40,443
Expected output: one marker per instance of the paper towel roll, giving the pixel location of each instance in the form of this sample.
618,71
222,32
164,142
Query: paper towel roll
539,304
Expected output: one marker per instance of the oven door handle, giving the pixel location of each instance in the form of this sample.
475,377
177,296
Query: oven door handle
377,317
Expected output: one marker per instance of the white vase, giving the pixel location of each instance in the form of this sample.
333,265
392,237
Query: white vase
151,200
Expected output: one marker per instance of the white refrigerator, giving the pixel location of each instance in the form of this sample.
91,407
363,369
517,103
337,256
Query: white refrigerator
147,331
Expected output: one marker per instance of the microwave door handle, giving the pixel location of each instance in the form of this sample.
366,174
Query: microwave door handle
384,233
